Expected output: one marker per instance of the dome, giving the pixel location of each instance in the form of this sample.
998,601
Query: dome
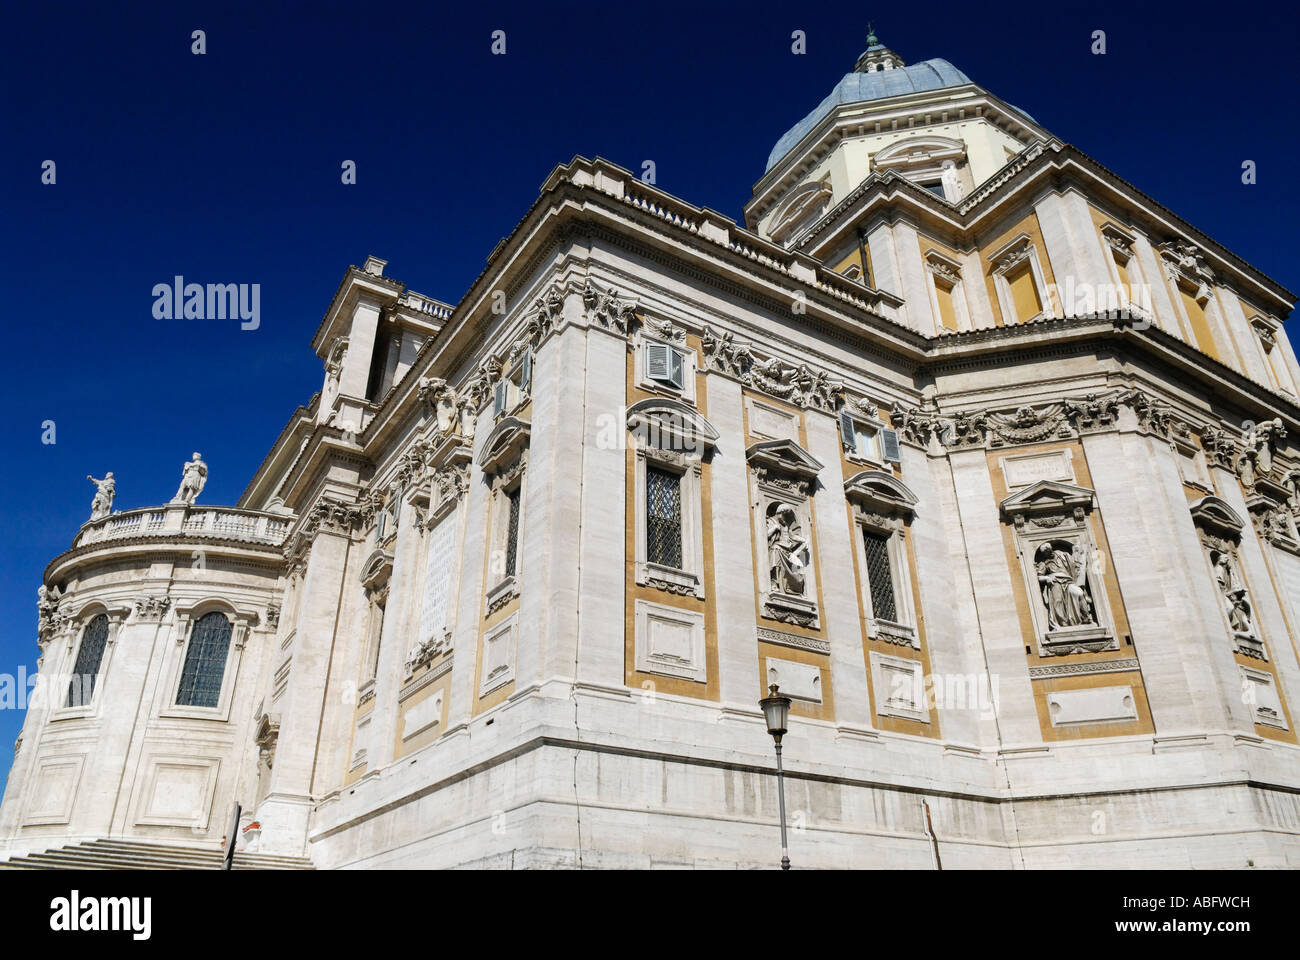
860,87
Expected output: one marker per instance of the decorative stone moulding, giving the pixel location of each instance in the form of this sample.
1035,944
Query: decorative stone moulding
1068,603
605,309
801,385
1067,418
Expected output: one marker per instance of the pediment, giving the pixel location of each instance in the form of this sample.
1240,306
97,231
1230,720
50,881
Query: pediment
503,445
881,491
1215,515
1047,497
671,425
784,456
922,149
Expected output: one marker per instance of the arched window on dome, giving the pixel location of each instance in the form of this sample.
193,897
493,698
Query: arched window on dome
205,662
85,674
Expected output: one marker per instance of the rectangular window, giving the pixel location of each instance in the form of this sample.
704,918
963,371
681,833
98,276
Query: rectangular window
663,490
512,529
880,577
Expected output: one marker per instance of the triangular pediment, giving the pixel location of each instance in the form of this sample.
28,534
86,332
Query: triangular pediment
786,456
1048,496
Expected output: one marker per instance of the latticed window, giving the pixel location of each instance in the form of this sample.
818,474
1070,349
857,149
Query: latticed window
205,662
880,578
663,502
81,689
512,530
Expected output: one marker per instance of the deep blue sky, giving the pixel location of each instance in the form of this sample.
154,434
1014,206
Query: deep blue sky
225,168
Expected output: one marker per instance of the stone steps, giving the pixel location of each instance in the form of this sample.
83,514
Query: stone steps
133,855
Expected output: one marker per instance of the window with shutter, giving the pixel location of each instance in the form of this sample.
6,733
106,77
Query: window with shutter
890,442
675,368
656,361
499,399
525,371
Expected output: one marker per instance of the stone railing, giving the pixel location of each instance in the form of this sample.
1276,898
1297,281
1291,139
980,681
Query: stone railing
187,520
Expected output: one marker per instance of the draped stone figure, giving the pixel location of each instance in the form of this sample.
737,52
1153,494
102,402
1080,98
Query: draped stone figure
193,477
105,490
1063,579
1236,602
787,550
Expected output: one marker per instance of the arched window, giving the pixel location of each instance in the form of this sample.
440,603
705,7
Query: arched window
81,688
205,662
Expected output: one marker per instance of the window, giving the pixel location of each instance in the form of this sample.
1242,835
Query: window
665,365
1024,294
867,439
513,388
512,530
205,662
671,442
879,576
936,188
663,517
81,688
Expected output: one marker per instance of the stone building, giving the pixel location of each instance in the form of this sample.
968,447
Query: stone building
982,455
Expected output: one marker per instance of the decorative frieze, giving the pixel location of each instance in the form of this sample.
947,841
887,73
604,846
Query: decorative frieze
604,308
801,385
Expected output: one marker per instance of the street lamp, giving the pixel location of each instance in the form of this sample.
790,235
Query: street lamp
776,710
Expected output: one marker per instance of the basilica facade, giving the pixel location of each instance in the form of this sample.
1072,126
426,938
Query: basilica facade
981,455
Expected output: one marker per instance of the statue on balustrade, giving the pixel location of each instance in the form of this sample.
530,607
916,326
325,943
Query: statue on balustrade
193,477
105,490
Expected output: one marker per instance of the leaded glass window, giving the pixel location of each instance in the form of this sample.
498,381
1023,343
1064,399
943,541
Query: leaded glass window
880,577
81,689
663,500
512,530
205,662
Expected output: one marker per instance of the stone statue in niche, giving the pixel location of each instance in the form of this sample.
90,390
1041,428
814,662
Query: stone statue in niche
1236,602
194,476
1063,579
102,505
787,550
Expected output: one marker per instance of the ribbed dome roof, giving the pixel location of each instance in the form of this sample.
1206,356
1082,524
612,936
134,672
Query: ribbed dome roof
861,87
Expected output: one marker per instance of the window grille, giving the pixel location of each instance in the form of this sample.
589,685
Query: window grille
205,662
880,577
663,496
512,530
81,688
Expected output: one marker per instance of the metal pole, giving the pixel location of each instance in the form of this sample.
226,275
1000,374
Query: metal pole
231,836
780,792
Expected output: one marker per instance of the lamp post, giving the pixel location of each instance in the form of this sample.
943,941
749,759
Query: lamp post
776,710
